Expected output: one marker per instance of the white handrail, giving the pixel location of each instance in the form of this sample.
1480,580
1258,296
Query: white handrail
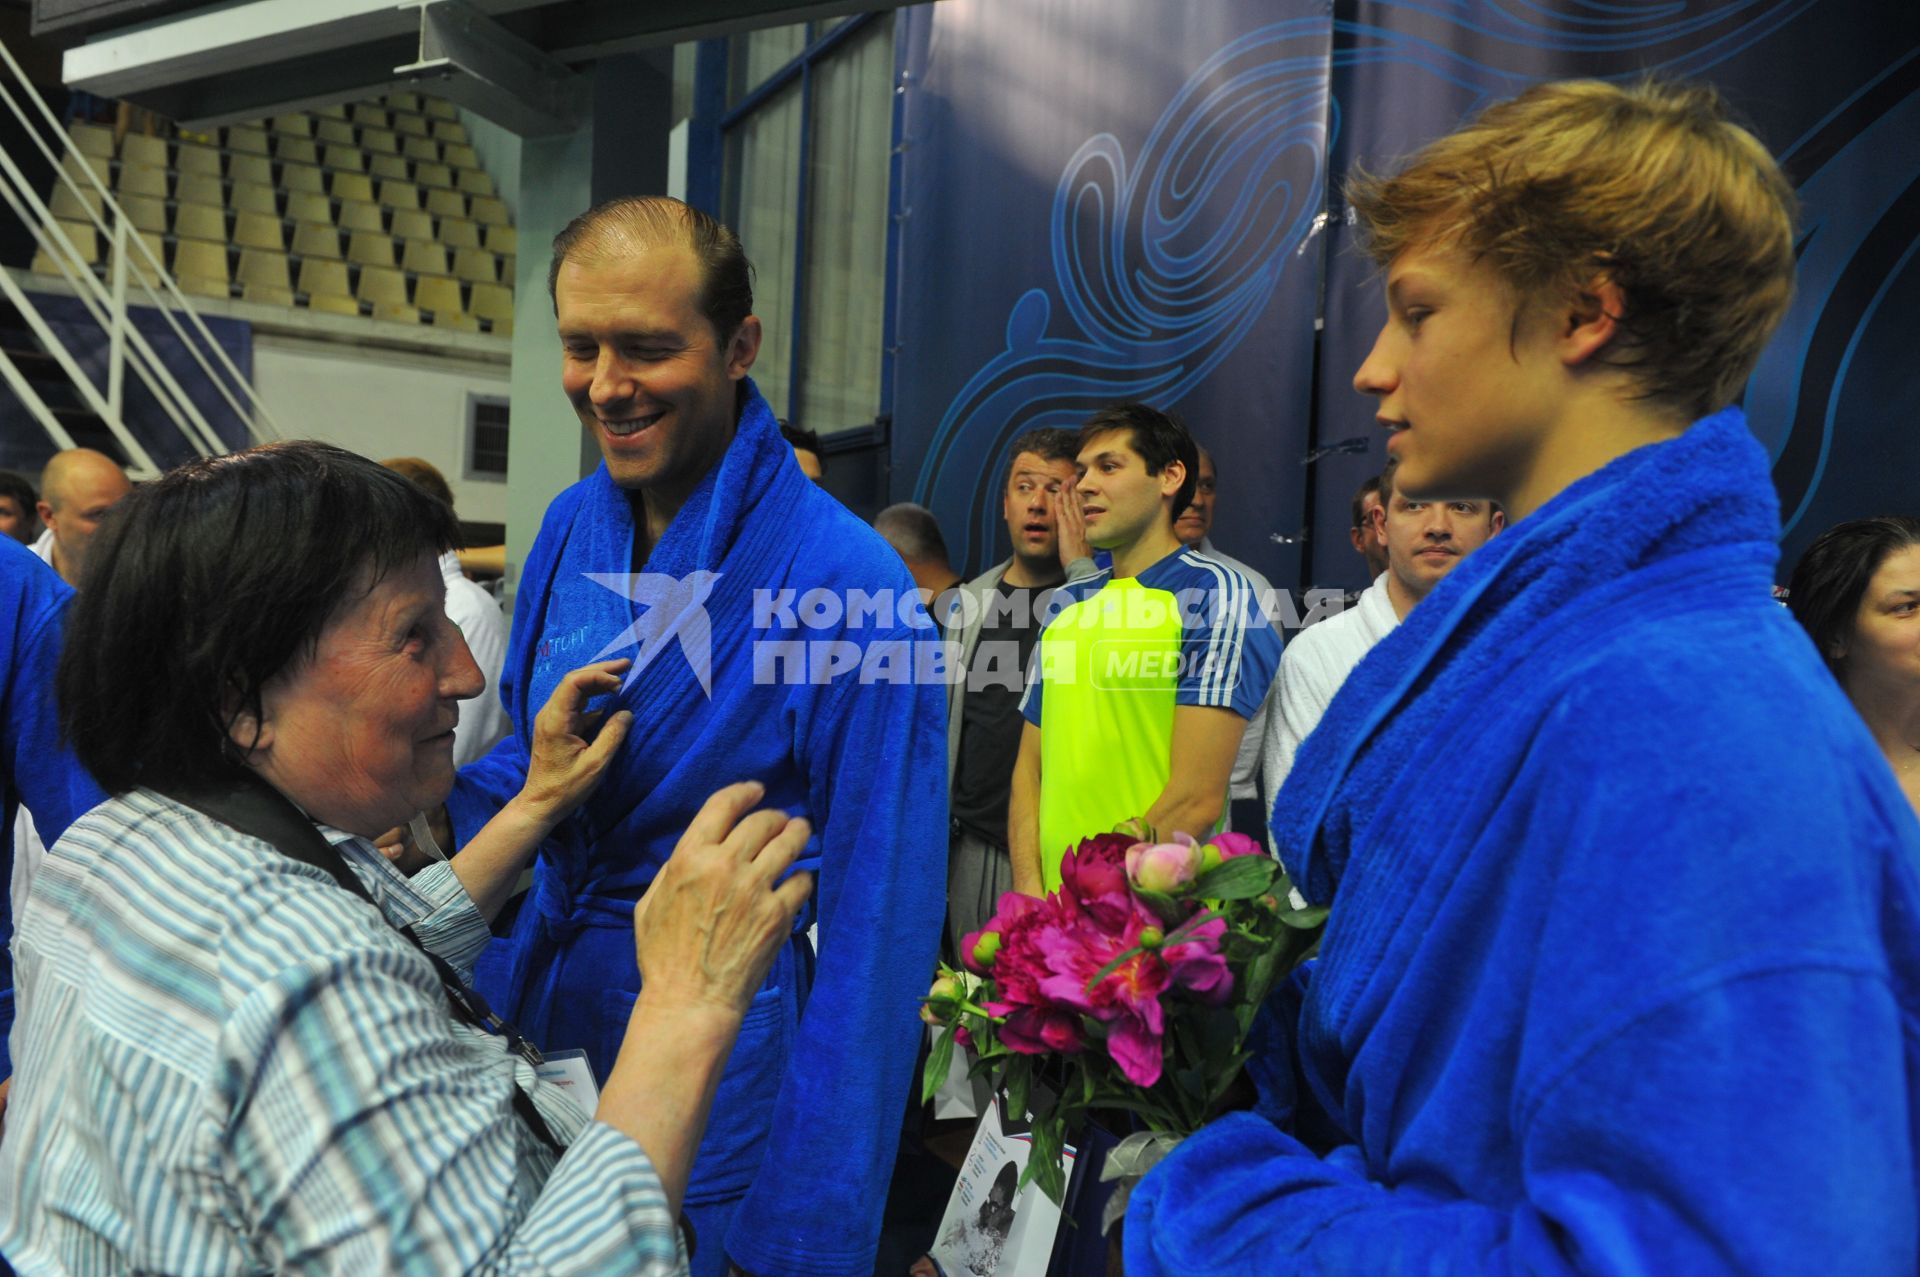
99,302
105,303
65,255
179,299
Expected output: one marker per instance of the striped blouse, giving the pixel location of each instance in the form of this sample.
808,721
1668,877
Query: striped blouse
226,1064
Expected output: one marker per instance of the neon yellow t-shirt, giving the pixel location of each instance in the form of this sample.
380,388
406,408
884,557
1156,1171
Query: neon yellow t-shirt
1116,658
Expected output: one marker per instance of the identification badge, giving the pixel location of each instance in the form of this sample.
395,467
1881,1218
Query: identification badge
570,1071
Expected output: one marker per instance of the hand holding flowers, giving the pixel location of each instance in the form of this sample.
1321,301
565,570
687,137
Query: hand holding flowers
1143,973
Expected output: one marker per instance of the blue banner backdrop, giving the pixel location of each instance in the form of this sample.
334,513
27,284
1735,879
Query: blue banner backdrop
1107,200
1104,199
1831,86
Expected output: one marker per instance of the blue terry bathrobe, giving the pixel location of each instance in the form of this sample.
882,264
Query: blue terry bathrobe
1623,972
34,766
793,1172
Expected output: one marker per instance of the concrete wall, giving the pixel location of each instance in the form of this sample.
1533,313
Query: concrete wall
382,403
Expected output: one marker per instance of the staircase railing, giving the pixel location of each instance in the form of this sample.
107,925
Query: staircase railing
106,302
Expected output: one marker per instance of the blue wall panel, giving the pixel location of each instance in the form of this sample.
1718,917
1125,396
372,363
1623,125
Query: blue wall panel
1104,200
1832,86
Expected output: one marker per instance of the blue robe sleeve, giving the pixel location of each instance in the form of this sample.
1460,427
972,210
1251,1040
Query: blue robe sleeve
483,786
1701,1065
876,762
486,784
1656,1153
40,771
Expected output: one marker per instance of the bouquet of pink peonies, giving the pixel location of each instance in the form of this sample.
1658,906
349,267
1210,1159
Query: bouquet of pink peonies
1138,980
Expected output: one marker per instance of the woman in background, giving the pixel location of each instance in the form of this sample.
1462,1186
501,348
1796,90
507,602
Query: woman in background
1857,592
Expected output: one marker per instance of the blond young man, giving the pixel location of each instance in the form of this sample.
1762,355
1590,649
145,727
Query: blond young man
1623,968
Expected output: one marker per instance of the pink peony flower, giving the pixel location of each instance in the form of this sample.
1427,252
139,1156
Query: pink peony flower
1133,987
1038,1030
1232,844
1164,867
1196,964
1137,1051
1098,867
1093,880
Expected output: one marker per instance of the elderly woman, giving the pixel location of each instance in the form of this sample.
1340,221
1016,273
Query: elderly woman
244,1042
1857,592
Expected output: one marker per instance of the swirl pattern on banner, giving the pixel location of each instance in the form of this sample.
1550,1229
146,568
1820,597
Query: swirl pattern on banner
1161,265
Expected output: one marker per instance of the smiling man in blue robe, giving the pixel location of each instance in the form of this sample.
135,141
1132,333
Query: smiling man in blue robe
775,637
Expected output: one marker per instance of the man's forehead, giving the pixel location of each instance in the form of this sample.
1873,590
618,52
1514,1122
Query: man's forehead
102,486
1109,443
619,278
1032,463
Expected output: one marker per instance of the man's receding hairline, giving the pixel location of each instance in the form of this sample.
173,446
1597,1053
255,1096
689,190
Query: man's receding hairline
624,230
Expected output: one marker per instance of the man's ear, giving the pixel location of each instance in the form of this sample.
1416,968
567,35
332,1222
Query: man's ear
45,512
744,348
1172,476
1496,520
1590,320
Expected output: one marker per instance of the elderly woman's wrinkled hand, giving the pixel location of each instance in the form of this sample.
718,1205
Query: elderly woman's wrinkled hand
708,927
573,747
568,756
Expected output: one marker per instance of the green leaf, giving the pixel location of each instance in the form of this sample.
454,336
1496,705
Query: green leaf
1191,925
1019,1087
1241,878
1044,1162
1169,909
938,1063
1305,919
1160,1117
1219,1034
1259,978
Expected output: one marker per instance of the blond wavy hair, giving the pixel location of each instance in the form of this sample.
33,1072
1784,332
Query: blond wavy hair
1650,185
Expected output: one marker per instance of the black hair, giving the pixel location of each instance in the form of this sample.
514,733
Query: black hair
1388,473
205,584
805,440
913,532
1049,443
726,276
1372,487
16,486
1831,578
1157,436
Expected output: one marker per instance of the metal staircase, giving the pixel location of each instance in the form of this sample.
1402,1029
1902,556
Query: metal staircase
39,366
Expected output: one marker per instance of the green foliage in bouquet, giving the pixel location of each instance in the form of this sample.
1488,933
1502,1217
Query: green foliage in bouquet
1130,990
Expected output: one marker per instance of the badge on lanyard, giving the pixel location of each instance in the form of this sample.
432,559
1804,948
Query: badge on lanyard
570,1071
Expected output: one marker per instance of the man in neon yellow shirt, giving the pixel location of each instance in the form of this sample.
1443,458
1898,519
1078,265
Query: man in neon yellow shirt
1149,669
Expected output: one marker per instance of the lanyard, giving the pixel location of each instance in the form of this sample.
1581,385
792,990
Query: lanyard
252,806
